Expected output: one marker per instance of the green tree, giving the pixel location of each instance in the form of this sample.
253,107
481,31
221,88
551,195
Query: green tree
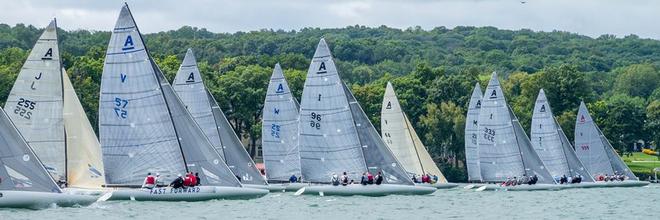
637,80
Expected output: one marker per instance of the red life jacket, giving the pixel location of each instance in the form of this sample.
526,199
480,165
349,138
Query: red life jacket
370,177
193,180
187,181
151,180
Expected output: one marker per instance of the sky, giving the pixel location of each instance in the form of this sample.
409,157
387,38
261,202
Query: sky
588,17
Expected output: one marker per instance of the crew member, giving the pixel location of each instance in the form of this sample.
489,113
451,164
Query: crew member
149,181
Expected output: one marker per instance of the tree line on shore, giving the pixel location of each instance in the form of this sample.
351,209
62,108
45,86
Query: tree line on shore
433,72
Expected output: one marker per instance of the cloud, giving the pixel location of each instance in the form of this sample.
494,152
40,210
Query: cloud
589,17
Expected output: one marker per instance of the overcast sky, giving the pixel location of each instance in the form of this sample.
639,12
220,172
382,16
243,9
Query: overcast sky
588,17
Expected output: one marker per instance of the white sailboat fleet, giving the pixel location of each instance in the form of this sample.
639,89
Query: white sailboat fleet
503,150
50,153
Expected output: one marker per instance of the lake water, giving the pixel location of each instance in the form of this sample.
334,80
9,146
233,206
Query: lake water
603,203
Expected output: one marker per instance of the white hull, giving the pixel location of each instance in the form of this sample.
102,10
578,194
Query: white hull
286,187
198,193
40,200
525,187
601,184
439,185
367,190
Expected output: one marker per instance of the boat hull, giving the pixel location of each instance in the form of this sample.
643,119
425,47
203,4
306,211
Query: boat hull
600,184
41,200
367,190
191,194
535,187
439,185
286,187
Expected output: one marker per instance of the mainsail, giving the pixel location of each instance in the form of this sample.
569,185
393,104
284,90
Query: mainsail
471,133
328,138
35,103
504,148
545,138
84,160
144,126
402,140
20,169
377,155
552,145
280,130
594,150
189,86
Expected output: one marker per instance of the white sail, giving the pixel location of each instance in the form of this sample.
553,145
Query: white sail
402,140
471,133
84,160
546,139
35,103
593,148
135,128
280,130
499,155
20,168
190,88
328,137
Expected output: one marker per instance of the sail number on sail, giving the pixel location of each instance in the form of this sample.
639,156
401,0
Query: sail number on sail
120,107
315,124
489,134
24,108
275,130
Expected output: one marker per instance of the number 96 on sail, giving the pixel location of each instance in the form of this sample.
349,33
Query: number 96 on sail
315,122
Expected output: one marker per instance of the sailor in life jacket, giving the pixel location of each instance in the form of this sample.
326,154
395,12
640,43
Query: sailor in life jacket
149,181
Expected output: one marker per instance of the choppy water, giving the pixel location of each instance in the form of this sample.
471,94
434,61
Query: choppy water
608,203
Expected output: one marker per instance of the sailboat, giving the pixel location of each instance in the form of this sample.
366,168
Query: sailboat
189,86
401,138
471,133
279,133
35,103
505,151
45,108
336,136
552,145
24,181
596,152
145,127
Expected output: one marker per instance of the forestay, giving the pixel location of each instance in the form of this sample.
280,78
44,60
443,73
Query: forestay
199,154
471,133
84,160
35,103
377,155
531,161
238,159
594,150
545,138
499,154
588,145
280,130
190,88
402,140
328,137
135,128
20,169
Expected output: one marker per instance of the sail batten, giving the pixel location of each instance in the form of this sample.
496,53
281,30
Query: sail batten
280,130
545,138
